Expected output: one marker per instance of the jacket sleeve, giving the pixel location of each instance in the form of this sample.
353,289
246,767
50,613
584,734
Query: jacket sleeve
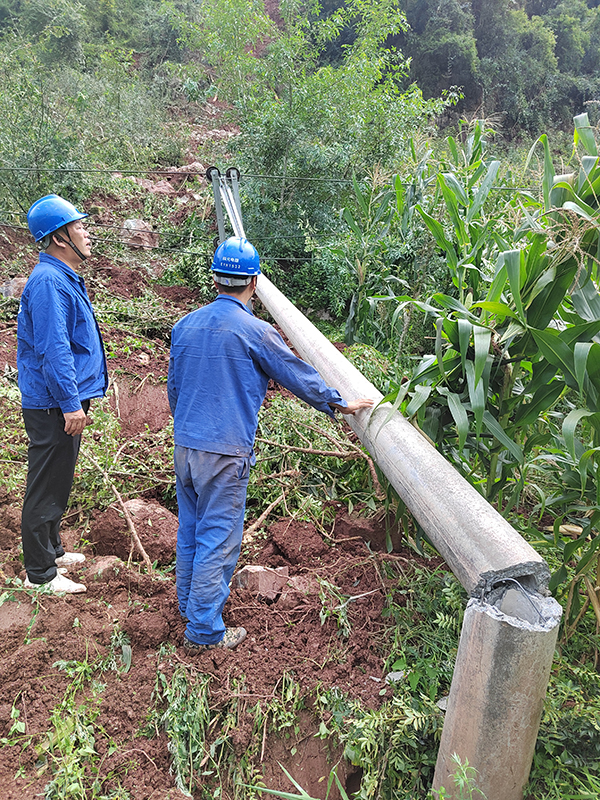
278,362
52,312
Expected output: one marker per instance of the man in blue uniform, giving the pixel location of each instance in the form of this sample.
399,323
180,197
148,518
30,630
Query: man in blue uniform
222,357
61,364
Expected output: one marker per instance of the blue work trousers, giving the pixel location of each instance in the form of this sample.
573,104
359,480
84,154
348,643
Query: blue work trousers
211,493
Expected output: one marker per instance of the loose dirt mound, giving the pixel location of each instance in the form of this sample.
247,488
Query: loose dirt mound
87,673
329,635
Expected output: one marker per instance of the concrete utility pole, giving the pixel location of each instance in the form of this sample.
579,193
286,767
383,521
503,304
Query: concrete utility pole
510,625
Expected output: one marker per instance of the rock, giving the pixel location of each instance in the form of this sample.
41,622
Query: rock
442,703
195,168
395,677
163,187
264,582
14,287
145,183
297,591
136,234
97,568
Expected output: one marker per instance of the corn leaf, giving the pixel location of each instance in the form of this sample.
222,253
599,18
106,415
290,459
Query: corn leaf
570,424
583,210
499,309
464,339
483,191
513,262
454,184
543,399
494,427
440,236
580,357
584,134
482,338
421,395
453,211
460,418
557,352
476,397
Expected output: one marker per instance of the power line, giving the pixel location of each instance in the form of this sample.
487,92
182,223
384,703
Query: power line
183,174
173,250
172,173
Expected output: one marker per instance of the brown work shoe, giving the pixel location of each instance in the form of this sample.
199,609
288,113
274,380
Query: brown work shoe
231,639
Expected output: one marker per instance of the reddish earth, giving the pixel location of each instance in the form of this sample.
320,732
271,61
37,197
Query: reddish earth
286,637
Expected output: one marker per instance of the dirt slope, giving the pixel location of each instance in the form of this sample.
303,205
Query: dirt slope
67,672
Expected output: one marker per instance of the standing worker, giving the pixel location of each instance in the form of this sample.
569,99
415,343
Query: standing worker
62,365
222,357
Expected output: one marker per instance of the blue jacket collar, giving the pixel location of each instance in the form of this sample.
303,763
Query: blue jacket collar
235,300
56,262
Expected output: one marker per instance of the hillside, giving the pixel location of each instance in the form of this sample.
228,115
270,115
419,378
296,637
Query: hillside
93,685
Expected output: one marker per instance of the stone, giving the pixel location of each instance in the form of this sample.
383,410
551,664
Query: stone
99,566
264,582
14,287
136,233
163,187
297,591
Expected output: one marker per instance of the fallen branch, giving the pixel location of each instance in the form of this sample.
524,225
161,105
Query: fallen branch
128,518
328,453
357,452
251,530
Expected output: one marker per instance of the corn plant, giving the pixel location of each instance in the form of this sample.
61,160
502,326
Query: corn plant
516,361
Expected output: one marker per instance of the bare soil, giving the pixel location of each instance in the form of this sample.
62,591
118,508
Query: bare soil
286,636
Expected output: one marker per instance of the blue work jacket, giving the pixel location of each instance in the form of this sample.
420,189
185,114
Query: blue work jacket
60,354
222,357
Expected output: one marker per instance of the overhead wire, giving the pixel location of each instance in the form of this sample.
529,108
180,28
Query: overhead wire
173,250
183,174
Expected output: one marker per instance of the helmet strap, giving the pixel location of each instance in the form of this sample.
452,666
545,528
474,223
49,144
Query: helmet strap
73,247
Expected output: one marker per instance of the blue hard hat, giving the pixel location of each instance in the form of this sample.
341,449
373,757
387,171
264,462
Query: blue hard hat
50,213
236,256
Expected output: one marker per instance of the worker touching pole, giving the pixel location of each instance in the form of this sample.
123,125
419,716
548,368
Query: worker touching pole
221,360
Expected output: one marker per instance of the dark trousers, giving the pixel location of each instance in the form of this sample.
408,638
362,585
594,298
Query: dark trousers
52,455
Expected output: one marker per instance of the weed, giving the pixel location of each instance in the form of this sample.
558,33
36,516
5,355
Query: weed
335,605
465,781
302,795
69,750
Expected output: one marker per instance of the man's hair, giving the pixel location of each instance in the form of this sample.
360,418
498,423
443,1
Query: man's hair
224,288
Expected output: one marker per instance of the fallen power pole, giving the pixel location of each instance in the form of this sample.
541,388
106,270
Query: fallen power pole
511,623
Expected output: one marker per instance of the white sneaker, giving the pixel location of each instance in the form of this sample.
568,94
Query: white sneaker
57,585
69,559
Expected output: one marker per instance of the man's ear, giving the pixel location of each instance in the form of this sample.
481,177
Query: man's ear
59,242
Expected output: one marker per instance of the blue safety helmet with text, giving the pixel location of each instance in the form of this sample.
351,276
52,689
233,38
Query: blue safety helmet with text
237,258
50,213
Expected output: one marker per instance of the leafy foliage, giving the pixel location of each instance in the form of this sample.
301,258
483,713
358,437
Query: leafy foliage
535,64
515,338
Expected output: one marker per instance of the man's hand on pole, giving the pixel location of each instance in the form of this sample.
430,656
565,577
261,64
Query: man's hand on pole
355,405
